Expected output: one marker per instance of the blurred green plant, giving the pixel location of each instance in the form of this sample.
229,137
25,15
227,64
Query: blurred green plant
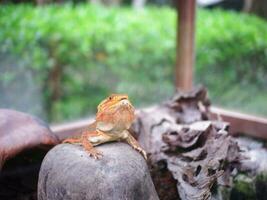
79,54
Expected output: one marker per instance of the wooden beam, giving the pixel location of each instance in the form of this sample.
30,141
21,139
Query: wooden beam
185,55
242,123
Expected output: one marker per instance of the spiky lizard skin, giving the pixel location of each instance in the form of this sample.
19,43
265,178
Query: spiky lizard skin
114,117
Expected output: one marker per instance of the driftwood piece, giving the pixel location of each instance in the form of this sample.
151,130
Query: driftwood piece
68,172
19,132
193,152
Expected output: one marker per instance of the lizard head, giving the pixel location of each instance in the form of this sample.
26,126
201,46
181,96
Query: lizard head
114,102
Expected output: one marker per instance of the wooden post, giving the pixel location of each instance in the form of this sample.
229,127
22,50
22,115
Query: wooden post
185,44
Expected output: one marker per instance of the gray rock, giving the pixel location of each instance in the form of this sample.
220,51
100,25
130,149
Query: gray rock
68,173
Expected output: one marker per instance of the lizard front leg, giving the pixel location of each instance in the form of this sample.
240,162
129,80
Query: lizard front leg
84,140
93,139
132,141
88,144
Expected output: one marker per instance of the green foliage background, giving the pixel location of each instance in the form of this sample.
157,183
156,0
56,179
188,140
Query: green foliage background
105,50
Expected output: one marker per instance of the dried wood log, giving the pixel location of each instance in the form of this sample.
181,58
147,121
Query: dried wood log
249,181
186,149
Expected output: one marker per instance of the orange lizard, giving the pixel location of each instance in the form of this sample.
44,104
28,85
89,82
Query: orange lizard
114,117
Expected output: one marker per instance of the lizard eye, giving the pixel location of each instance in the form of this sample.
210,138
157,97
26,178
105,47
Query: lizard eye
110,98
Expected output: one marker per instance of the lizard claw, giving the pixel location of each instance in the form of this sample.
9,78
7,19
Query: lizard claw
142,151
144,154
95,153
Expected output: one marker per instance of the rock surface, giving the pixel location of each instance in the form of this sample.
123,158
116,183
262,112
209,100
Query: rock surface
21,131
68,172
